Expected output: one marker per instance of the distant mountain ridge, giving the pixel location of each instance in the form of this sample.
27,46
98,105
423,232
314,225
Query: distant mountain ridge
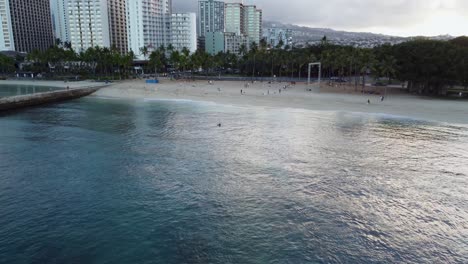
304,35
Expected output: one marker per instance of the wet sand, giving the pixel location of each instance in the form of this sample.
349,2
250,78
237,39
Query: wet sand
325,98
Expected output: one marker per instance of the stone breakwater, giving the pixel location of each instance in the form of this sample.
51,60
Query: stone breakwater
22,101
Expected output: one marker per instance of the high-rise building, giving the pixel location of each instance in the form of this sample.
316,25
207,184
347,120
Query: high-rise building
234,18
148,25
233,43
26,25
7,41
58,10
88,23
253,23
210,17
118,24
214,42
184,31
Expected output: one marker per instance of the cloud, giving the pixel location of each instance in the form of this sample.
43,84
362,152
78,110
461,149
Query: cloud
359,15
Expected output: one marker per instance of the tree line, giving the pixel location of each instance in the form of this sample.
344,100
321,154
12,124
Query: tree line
428,66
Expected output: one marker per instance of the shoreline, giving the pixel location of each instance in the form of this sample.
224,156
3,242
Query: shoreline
325,98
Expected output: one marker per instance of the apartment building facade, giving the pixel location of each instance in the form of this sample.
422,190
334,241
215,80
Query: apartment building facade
210,17
184,31
118,24
148,25
26,25
89,24
253,19
58,10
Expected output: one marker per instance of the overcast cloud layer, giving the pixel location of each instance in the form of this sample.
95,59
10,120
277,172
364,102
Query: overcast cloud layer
397,17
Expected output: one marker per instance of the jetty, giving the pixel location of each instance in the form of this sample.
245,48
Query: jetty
28,100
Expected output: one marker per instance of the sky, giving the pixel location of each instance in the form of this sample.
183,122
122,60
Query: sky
391,17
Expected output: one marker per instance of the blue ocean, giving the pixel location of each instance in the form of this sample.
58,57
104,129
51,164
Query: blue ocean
101,180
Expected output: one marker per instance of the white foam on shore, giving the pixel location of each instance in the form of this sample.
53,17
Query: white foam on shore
173,100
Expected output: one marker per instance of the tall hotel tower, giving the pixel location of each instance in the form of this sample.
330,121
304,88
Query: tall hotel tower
89,24
26,25
210,17
148,24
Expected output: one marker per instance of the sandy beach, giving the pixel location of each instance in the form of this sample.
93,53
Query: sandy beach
275,95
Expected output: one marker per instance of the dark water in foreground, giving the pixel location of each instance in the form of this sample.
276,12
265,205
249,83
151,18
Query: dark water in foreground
13,90
104,181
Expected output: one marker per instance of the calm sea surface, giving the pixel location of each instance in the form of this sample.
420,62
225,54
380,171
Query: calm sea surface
13,90
110,181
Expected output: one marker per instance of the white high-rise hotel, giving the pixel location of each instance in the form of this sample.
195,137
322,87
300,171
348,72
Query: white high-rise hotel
184,31
148,24
89,23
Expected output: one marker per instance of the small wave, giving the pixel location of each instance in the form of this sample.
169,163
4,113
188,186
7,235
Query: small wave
171,100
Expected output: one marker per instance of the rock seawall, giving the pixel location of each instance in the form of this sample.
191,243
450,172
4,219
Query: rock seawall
22,101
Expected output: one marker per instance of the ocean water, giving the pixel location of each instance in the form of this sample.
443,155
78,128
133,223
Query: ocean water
13,90
111,181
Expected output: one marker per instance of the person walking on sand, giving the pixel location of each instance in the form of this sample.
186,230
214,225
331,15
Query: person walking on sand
241,91
368,101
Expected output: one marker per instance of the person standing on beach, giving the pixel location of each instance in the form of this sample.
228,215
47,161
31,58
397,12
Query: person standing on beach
368,101
241,91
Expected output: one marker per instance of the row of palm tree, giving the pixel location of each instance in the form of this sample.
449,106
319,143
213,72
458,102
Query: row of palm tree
95,61
426,65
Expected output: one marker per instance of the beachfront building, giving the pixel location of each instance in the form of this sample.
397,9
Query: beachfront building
253,23
184,31
118,24
210,17
234,42
148,25
26,25
58,11
234,18
88,23
214,42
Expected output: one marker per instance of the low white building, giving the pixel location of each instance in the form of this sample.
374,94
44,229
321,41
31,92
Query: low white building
184,31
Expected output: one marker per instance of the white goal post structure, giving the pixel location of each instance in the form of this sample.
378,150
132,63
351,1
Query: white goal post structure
319,64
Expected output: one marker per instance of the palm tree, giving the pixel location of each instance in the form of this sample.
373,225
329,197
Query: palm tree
144,51
175,59
388,67
157,58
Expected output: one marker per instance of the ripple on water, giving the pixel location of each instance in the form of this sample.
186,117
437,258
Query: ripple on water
105,181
